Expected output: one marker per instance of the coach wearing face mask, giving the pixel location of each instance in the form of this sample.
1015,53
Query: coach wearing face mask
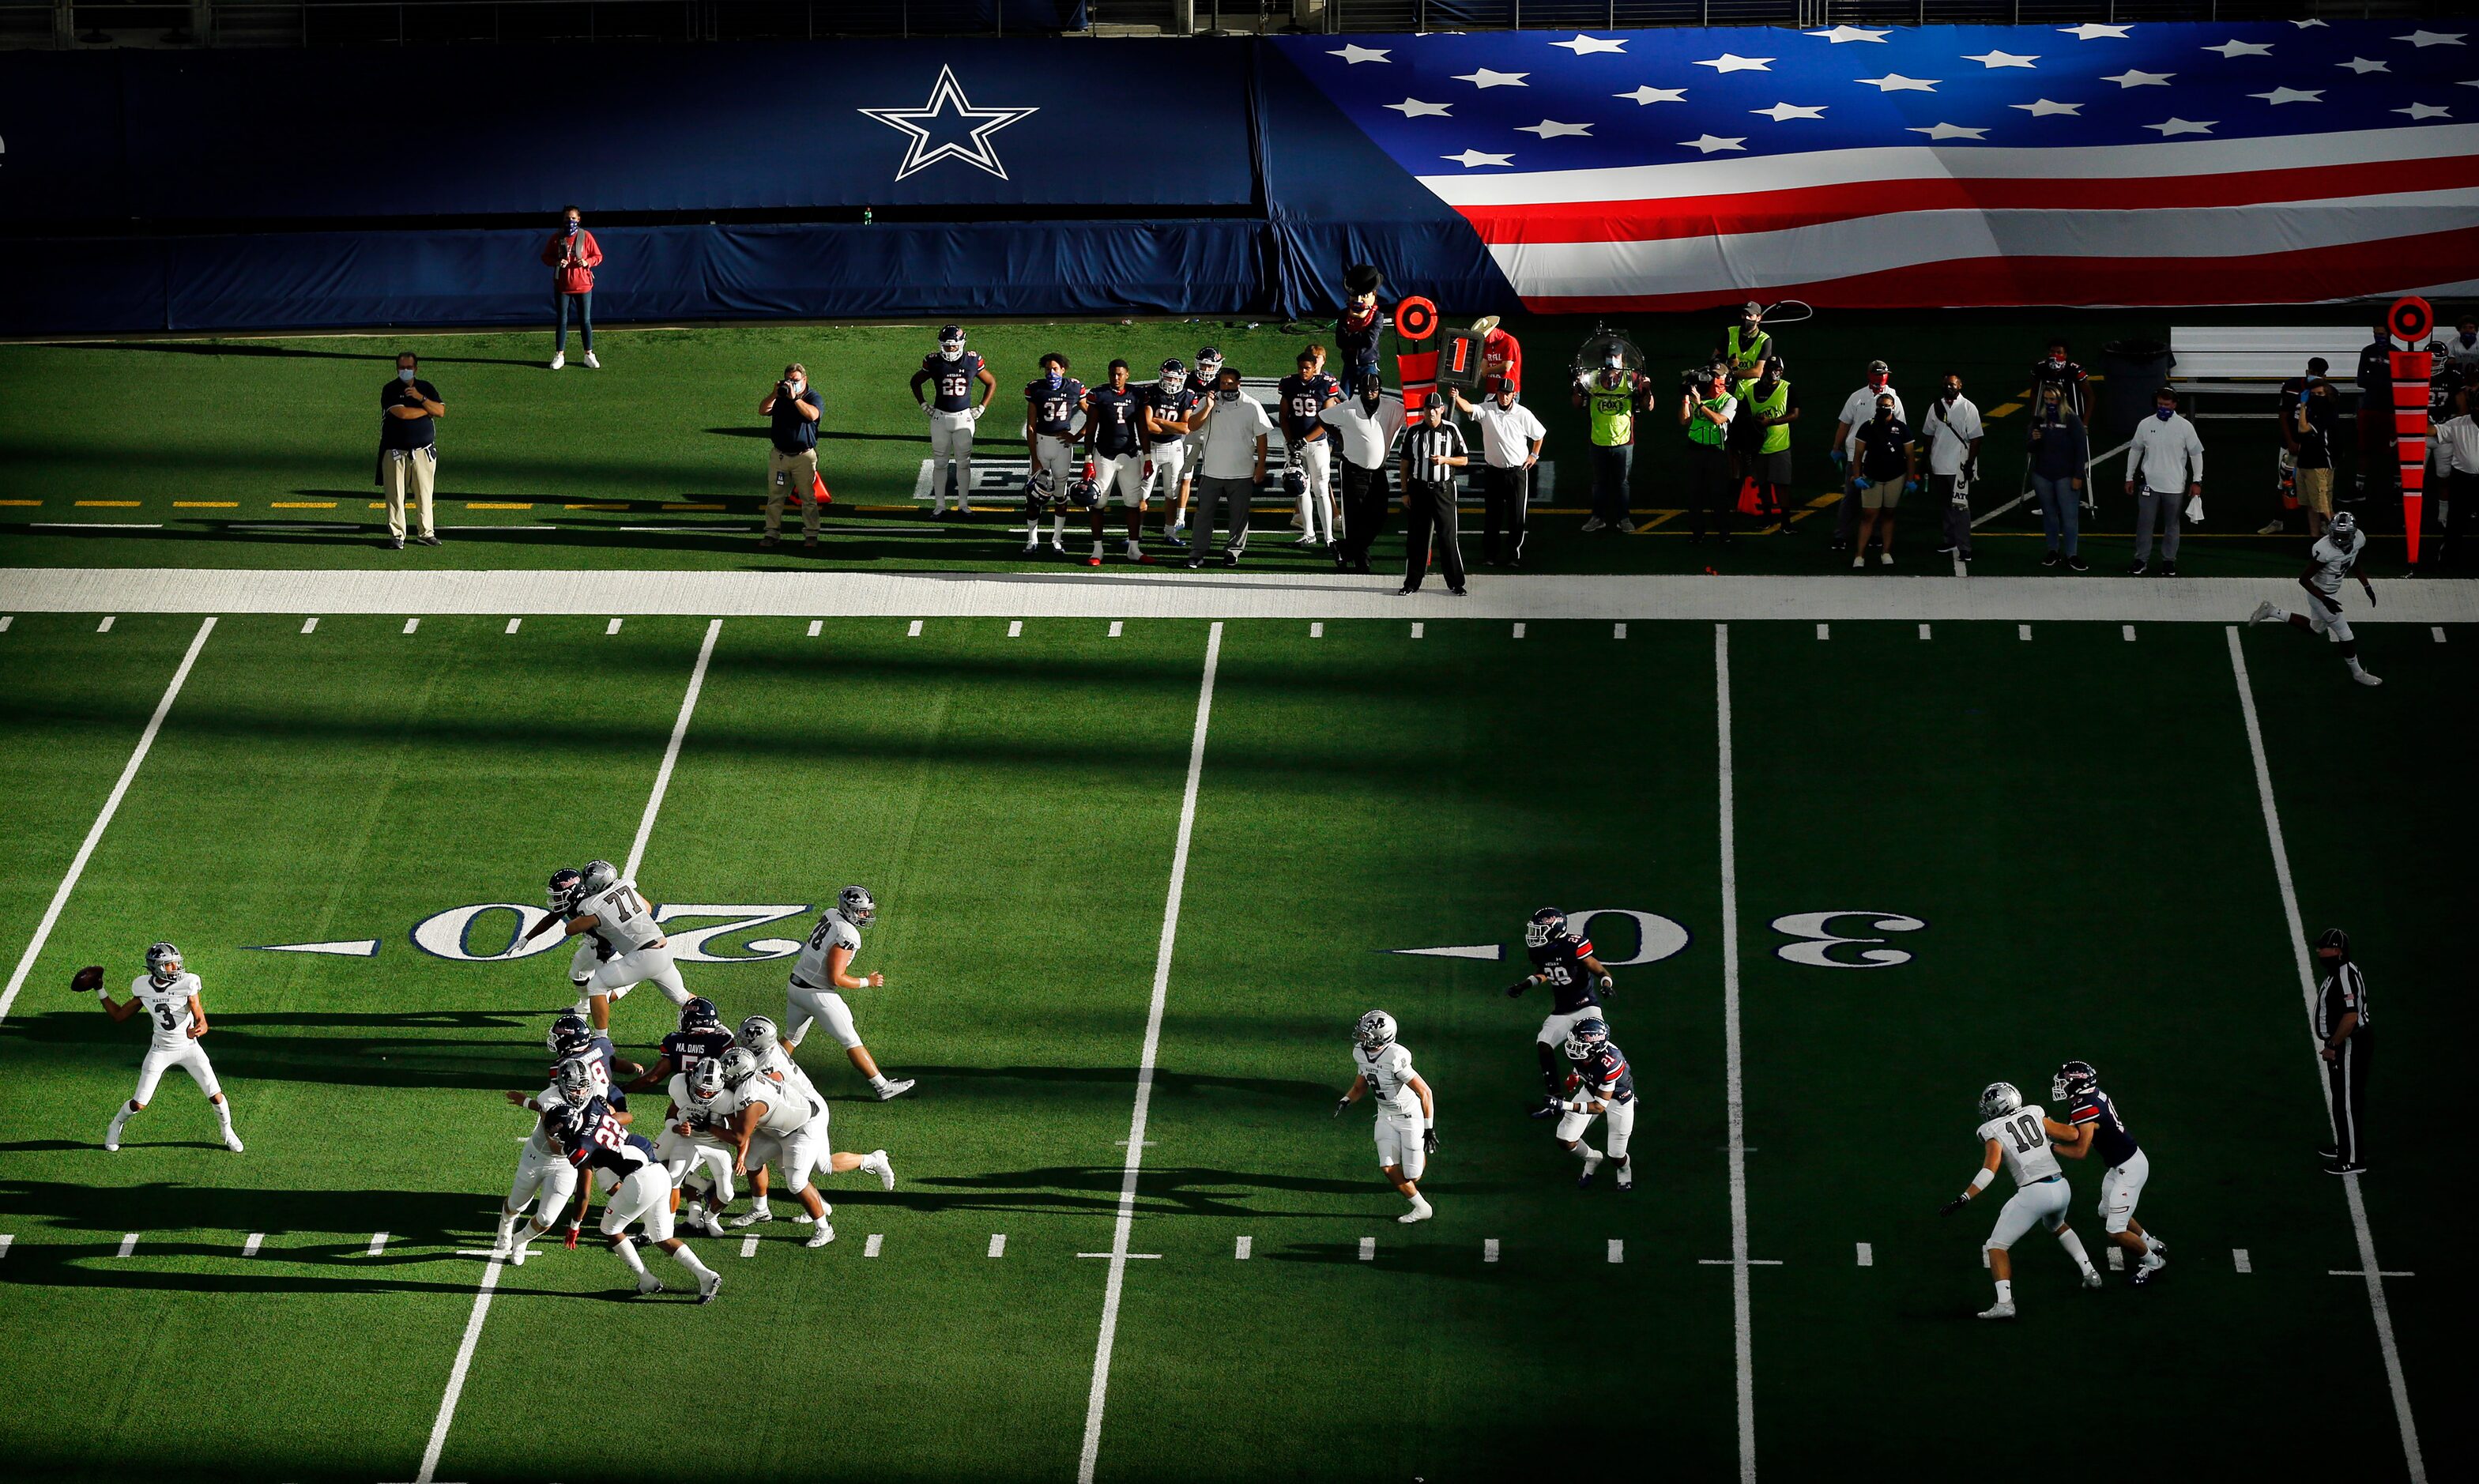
571,255
1365,426
409,407
2166,465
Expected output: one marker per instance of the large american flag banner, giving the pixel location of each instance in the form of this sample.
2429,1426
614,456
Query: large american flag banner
2129,163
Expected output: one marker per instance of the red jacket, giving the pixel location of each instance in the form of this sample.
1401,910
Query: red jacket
572,260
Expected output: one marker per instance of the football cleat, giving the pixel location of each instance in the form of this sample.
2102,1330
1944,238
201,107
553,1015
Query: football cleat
2091,1277
232,1142
1549,1107
895,1087
826,1233
1590,1035
756,1035
2074,1079
1627,1177
878,1164
1998,1099
1592,1167
566,885
750,1218
709,1286
649,1284
699,1012
163,963
1998,1310
570,1035
951,342
1421,1211
1545,927
738,1066
857,905
1375,1029
2152,1264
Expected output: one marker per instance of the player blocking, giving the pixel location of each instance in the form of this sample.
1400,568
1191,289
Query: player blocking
2018,1138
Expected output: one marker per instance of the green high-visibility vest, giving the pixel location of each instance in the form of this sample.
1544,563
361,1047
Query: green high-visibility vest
1613,414
1748,356
1705,430
1778,436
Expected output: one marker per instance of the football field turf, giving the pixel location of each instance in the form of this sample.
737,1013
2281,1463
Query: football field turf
1141,878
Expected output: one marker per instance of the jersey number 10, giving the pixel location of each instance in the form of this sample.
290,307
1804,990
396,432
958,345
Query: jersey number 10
2027,1133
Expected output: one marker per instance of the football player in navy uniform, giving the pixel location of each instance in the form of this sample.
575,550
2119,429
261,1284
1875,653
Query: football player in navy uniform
2098,1130
571,1035
1054,411
1115,446
1601,1086
1308,448
1202,383
952,407
702,1034
1169,414
605,1153
1576,982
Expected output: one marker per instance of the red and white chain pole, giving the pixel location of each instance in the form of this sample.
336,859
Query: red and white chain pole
2411,321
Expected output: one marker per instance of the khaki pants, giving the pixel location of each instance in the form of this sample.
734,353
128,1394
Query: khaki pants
415,470
786,473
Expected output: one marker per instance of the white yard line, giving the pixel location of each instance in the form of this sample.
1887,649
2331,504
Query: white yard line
1094,1402
1734,1091
456,1375
2369,1270
672,751
95,836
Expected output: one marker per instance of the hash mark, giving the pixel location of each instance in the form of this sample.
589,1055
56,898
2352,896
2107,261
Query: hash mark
1015,628
815,624
105,626
1489,1250
1618,1250
1824,630
2238,1259
1519,630
512,626
1418,629
310,625
1369,1248
2126,631
1117,626
869,1248
378,1243
1316,631
1924,630
128,1243
611,628
913,632
2023,631
412,624
749,1246
1617,630
1867,1255
998,1243
2116,1259
5,1239
250,1249
1239,1252
2436,633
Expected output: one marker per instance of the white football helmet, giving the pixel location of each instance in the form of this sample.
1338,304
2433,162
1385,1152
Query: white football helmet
736,1066
705,1080
1998,1099
756,1035
855,902
1376,1029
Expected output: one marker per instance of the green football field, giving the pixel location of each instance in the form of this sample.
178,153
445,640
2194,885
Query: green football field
1139,880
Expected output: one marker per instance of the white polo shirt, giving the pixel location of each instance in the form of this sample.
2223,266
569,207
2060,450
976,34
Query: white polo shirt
2459,440
1860,409
1506,433
1364,438
1950,429
1231,437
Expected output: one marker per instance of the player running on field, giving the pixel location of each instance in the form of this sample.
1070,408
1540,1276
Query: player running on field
545,1179
1407,1115
2095,1127
779,1120
168,996
623,1163
597,901
2019,1137
1601,1086
758,1037
819,973
1576,981
2335,556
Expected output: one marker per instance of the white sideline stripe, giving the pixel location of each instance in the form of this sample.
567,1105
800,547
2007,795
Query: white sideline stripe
1730,1262
1369,1249
412,624
128,1245
2238,1259
1239,1249
1109,1335
2370,1271
998,1243
611,628
491,1272
250,1249
749,1246
1867,1255
870,1247
1132,1256
95,836
1734,1090
310,624
913,632
379,1244
1137,594
105,626
1115,628
513,625
2353,1272
815,627
2023,631
1618,1249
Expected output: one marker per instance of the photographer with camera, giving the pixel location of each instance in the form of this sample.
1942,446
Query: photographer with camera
792,458
1705,408
1612,396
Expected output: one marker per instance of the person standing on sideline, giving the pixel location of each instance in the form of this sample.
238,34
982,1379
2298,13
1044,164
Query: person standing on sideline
1510,441
2379,463
409,449
1705,414
571,255
1885,465
1859,410
1302,397
1232,465
2456,441
1953,431
1768,406
1501,357
2166,463
2060,449
1746,346
2310,431
793,407
958,390
2285,463
2341,1025
1433,449
1054,413
1114,443
1612,396
1365,426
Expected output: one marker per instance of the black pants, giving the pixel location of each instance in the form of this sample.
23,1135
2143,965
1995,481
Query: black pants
2347,1075
1504,493
1364,493
1710,489
1432,516
1610,467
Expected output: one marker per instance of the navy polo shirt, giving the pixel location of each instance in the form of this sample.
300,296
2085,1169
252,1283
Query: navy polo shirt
406,432
793,432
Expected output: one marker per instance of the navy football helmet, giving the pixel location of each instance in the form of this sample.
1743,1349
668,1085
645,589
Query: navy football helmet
1042,489
1174,374
1547,927
566,885
1586,1037
570,1035
2074,1079
699,1012
1082,493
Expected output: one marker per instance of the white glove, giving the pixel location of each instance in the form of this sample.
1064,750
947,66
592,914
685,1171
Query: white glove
928,411
977,411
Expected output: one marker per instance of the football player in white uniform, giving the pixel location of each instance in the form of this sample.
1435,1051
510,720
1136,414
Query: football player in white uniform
545,1178
819,973
693,1148
597,902
1407,1115
167,995
2018,1136
2335,556
773,1119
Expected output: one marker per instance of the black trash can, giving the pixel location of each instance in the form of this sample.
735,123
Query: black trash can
2132,370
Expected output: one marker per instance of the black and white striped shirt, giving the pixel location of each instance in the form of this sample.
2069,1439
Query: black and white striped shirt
2343,991
1437,437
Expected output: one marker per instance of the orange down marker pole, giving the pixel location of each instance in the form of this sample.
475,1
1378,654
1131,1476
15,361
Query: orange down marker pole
2410,320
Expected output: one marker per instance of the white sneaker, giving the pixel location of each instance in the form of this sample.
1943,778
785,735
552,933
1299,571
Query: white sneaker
232,1142
749,1218
826,1233
648,1283
559,360
1421,1211
2364,678
709,1286
591,363
1306,538
1884,558
1998,1311
895,1089
2271,528
1596,523
878,1164
2091,1277
1859,561
1033,548
2263,614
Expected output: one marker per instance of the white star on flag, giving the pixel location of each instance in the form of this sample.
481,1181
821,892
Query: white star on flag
2424,111
2042,108
2280,95
1473,157
2093,31
2002,60
2423,39
1413,108
1551,129
1354,55
1708,143
1732,62
947,99
2363,67
1948,131
1485,78
1647,94
1841,34
2131,78
1585,45
1784,112
2184,126
1896,82
2236,48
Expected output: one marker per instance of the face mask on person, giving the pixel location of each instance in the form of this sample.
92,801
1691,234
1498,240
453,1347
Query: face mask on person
1876,381
404,375
2469,338
2054,410
794,383
572,226
1884,414
1226,393
1949,395
1053,378
2164,413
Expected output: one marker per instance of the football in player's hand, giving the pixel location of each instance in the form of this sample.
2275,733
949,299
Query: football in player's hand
88,980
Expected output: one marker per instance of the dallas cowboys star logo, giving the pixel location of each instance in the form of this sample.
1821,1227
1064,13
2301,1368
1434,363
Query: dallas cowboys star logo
946,99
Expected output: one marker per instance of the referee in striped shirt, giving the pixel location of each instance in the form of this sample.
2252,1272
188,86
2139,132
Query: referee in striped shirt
1433,449
2341,1025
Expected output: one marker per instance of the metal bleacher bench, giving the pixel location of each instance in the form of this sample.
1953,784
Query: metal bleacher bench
2210,358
